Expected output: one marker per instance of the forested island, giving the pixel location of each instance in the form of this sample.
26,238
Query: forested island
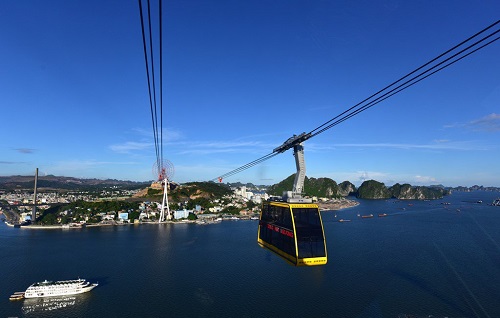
370,189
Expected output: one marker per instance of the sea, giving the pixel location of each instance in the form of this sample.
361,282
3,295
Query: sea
437,258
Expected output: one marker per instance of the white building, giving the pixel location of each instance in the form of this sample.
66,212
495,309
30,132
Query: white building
182,214
257,199
215,209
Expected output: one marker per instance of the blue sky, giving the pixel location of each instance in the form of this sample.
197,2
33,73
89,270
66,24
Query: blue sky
240,77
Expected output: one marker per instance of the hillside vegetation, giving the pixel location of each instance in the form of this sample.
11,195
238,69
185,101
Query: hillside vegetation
372,189
320,187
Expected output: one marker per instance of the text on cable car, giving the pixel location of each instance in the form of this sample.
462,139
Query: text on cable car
280,230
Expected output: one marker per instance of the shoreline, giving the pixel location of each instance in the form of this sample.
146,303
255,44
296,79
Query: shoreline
337,204
333,205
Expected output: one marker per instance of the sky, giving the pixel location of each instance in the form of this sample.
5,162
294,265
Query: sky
241,77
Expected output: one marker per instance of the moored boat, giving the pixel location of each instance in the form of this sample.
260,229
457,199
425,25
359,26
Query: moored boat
17,296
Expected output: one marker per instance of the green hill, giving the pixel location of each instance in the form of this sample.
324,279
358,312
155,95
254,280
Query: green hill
372,189
321,187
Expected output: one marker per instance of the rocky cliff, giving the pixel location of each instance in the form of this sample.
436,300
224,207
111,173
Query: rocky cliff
407,192
346,188
372,189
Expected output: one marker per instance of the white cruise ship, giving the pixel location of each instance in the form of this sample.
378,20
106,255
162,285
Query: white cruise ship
59,288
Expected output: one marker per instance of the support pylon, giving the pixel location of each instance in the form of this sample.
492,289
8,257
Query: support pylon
164,204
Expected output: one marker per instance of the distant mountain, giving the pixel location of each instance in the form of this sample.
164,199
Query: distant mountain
372,189
476,188
247,185
65,183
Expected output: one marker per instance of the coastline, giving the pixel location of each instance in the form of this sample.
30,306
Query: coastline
337,204
332,205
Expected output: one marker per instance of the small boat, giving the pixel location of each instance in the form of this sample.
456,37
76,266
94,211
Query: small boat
17,296
367,216
343,220
382,215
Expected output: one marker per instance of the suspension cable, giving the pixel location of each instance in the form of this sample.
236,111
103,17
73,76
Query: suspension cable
406,84
359,107
151,79
161,82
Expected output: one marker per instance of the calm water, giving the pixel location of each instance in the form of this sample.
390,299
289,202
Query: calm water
423,259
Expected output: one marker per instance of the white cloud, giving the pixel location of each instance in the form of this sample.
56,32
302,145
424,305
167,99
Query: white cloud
205,148
130,146
356,177
424,179
94,169
389,179
488,123
442,144
169,134
25,150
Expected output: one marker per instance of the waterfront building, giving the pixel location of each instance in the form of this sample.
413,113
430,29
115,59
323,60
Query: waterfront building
182,214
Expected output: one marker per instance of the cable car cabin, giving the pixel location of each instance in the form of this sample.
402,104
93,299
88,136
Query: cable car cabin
294,231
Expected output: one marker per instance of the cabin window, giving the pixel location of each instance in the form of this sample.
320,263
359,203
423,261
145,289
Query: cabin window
277,229
310,240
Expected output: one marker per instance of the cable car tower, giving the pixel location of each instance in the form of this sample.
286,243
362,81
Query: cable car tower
295,142
164,172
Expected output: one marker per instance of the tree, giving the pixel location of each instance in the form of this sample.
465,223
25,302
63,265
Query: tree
251,204
134,215
231,210
49,219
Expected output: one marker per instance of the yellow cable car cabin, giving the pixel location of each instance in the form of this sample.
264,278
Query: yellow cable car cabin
294,231
292,227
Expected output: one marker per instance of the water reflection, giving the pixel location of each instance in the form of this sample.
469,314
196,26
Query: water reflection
38,307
